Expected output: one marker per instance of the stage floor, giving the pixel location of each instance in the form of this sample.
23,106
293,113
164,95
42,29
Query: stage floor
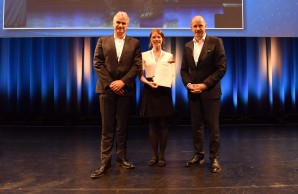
60,159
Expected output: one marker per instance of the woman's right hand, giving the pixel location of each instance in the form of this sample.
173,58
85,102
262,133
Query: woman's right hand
152,84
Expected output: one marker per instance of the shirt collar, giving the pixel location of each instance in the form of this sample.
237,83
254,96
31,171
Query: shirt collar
118,38
202,40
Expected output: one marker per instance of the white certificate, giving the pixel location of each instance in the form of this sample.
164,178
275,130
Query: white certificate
164,74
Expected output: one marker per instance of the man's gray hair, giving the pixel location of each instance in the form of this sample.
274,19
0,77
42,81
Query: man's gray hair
121,14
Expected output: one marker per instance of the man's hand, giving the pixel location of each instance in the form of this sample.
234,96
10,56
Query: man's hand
116,86
196,88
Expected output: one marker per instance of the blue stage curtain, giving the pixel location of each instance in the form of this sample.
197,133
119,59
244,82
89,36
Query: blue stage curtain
54,76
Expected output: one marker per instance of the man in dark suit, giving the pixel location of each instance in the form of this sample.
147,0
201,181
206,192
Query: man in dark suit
203,66
117,62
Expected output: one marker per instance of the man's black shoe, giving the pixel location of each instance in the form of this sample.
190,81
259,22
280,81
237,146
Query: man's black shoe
195,160
101,171
215,166
125,163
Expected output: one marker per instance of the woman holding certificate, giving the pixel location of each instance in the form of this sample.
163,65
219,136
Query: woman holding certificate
157,74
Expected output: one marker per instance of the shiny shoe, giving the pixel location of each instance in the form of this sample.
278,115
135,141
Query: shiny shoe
101,171
152,162
125,163
215,166
195,160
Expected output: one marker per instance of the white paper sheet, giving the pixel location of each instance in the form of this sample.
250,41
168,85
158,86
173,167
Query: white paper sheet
164,74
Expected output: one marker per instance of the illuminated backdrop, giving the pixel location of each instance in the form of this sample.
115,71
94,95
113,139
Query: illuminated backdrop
48,72
54,76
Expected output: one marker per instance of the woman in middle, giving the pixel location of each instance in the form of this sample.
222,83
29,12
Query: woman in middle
156,103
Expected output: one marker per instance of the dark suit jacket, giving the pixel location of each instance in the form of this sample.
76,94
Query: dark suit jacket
210,69
108,69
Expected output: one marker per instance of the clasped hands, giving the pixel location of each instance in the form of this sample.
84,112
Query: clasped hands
117,87
196,88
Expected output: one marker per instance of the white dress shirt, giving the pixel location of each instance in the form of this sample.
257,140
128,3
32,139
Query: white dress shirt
198,48
119,43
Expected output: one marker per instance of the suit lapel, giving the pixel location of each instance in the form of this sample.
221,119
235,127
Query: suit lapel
191,46
204,49
113,47
125,47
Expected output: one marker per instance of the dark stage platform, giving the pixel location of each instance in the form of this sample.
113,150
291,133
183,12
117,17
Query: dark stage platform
60,159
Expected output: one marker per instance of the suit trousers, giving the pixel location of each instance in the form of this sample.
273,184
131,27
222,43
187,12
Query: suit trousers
115,111
205,110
